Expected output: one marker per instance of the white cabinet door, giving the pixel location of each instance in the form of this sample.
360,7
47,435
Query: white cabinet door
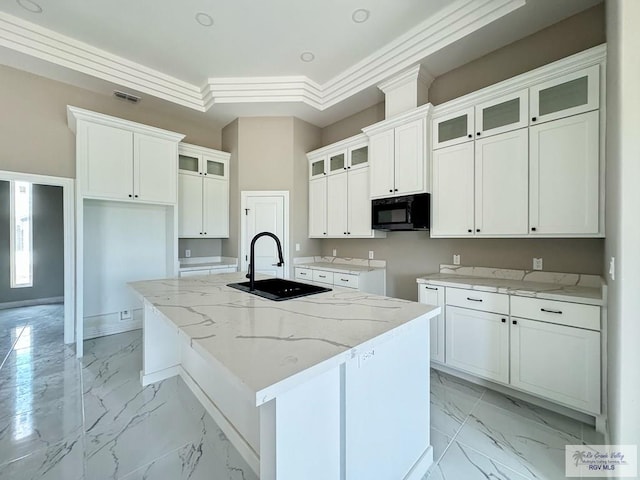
564,176
215,207
189,206
557,362
337,198
454,128
570,94
155,171
410,159
478,342
318,168
108,170
381,168
502,184
452,199
503,114
434,295
358,204
318,207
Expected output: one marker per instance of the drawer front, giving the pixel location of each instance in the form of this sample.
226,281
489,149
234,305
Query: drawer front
321,276
553,311
304,273
485,301
345,280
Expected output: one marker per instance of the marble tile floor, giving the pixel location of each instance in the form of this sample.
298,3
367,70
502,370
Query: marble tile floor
91,420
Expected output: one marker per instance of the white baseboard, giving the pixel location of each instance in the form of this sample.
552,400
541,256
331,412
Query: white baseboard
110,324
31,303
422,466
158,376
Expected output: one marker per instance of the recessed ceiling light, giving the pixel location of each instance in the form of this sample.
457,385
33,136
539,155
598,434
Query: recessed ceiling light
307,57
360,15
204,19
30,6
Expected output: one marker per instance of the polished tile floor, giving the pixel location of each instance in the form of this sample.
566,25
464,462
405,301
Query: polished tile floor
91,420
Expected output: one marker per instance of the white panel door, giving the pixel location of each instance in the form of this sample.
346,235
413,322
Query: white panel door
358,204
337,198
215,207
265,213
189,206
564,176
478,343
557,362
381,164
318,207
410,158
109,165
452,198
434,295
502,184
155,169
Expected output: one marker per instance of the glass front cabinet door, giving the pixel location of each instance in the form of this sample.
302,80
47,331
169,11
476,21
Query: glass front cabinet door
570,94
317,167
503,114
453,129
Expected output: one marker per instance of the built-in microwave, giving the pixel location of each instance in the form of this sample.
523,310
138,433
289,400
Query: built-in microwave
410,212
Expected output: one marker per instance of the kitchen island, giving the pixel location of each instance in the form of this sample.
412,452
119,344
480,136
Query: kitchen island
328,386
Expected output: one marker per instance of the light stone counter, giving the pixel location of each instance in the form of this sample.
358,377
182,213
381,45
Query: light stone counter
207,263
340,265
568,287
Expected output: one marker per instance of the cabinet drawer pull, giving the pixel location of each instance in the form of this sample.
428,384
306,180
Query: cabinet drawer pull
431,288
344,279
303,274
474,299
322,276
551,311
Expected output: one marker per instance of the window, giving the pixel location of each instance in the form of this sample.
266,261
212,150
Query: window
21,237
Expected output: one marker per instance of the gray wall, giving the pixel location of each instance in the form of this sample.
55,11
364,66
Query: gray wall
35,137
48,245
410,254
200,247
623,228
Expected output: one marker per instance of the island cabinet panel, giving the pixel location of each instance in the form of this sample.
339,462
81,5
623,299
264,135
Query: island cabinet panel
434,295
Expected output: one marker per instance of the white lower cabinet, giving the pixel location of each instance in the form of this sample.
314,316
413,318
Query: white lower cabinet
478,342
433,295
370,281
557,362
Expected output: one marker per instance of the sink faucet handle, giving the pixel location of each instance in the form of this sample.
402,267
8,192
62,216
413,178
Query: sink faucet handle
279,264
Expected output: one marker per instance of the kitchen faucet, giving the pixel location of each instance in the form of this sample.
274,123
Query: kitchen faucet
252,271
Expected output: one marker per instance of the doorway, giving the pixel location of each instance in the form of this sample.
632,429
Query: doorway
23,182
265,211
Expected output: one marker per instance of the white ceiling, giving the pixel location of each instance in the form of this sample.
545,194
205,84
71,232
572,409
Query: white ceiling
248,62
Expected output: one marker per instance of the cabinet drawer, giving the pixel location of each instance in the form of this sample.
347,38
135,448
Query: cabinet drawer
486,301
553,311
345,280
304,273
321,276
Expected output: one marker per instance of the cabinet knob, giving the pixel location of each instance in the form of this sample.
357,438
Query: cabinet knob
344,168
348,168
395,189
515,322
130,196
205,173
200,173
324,233
348,233
477,229
324,173
469,230
534,119
470,136
504,320
391,191
344,233
205,233
135,196
479,133
533,229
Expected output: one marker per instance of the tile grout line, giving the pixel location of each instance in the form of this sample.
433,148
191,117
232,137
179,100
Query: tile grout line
12,348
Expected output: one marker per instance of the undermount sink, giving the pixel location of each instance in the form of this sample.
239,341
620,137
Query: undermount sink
279,289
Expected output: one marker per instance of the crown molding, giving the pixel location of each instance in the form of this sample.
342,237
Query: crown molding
452,23
418,73
423,111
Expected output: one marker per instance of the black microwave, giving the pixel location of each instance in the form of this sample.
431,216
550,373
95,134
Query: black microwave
410,212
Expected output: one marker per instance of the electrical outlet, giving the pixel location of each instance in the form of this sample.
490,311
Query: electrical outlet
456,259
370,254
125,315
297,247
187,253
335,252
537,263
612,268
363,357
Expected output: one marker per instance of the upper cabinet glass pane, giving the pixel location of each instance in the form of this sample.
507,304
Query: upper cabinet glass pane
317,168
215,168
452,128
564,96
359,156
188,163
337,162
505,113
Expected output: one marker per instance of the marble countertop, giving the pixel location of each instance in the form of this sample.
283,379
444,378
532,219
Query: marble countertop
340,268
272,346
585,289
204,263
354,266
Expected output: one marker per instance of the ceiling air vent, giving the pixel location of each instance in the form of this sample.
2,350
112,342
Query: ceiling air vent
126,96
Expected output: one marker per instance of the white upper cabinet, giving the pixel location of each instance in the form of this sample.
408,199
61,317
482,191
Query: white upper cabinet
122,160
398,154
339,202
203,192
453,128
502,184
567,95
503,114
564,176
